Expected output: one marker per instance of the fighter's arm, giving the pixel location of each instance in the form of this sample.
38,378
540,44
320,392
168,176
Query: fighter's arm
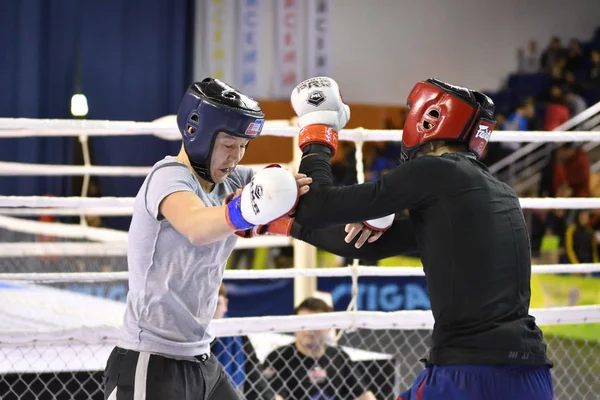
189,216
321,115
407,186
398,240
170,194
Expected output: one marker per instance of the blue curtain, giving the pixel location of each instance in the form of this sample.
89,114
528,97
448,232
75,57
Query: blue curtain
132,59
37,43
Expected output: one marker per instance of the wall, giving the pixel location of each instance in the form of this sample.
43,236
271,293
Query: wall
380,48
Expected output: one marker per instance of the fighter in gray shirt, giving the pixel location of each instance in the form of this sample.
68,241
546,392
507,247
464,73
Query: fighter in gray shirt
181,234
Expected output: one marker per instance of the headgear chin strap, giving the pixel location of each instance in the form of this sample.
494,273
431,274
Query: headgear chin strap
210,107
440,111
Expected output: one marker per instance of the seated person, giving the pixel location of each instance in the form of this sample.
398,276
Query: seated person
309,369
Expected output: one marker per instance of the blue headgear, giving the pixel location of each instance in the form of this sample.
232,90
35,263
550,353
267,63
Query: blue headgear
210,107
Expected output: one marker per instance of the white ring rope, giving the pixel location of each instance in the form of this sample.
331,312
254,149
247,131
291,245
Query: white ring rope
57,229
107,202
371,320
62,230
25,169
25,127
66,202
97,211
285,273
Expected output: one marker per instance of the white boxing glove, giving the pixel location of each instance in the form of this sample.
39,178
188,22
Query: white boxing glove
380,224
272,193
321,112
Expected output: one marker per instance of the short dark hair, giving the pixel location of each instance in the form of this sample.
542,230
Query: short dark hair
313,304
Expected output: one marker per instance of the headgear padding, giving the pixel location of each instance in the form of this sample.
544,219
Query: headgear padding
440,111
210,107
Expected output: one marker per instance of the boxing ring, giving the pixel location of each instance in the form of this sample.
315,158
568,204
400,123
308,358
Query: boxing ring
53,340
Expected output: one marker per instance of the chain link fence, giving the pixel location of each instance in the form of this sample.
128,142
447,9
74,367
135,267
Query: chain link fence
384,362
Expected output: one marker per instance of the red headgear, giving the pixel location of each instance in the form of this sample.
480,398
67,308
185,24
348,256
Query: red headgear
440,111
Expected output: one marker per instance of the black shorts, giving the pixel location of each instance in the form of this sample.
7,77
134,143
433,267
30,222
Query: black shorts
133,375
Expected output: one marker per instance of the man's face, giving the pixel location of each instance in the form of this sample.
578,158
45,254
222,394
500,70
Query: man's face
227,153
312,340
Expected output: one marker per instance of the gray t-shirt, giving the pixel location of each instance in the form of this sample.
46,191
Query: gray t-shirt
173,285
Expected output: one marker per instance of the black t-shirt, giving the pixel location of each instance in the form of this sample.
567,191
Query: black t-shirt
295,376
469,230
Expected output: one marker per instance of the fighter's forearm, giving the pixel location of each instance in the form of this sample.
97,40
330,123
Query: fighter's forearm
326,205
398,240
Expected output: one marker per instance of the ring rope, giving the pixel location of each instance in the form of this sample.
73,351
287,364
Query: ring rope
26,127
108,333
285,273
91,202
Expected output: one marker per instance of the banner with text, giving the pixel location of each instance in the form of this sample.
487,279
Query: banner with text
318,26
288,63
248,72
219,53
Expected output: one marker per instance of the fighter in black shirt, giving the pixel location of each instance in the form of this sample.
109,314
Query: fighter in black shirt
467,226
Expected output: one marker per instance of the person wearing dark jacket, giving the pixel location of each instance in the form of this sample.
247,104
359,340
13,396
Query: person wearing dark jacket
580,240
467,226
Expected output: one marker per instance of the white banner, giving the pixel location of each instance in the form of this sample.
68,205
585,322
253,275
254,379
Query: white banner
219,56
248,72
288,65
318,25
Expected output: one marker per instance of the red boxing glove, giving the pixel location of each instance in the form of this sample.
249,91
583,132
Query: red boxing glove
318,134
279,227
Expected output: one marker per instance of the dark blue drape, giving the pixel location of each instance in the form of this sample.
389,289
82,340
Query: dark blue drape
37,44
134,59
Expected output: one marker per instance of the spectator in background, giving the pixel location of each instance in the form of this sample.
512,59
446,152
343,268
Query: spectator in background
571,172
593,76
238,358
574,57
519,119
556,225
575,103
553,56
309,369
557,112
376,161
571,83
580,240
343,164
516,121
529,59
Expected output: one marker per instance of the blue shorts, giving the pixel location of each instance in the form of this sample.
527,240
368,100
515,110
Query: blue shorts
475,382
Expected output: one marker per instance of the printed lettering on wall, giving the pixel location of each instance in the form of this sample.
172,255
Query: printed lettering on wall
289,41
249,38
218,53
318,27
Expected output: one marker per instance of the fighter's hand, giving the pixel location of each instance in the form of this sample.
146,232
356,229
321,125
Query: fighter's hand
271,194
303,182
321,112
366,234
370,230
282,226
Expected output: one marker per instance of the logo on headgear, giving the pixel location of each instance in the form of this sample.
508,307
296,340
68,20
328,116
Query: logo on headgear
254,128
484,133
